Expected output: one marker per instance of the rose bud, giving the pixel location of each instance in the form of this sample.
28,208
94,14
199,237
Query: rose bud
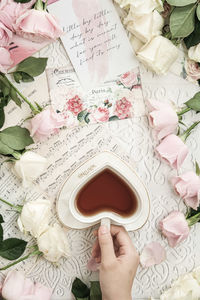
187,187
173,150
162,117
175,228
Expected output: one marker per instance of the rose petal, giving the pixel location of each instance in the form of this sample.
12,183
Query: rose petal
92,265
152,254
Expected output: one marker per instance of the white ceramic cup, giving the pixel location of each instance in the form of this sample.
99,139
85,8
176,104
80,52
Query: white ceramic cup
105,217
66,204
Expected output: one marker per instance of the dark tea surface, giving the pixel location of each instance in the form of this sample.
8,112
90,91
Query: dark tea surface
106,192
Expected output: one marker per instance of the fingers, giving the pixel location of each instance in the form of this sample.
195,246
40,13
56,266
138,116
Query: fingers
122,240
106,245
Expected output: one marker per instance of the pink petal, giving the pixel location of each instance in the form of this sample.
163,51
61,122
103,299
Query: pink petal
42,292
92,265
152,254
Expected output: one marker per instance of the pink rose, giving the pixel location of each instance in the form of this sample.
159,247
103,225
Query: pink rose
46,123
5,35
5,60
16,286
36,25
75,105
99,115
188,187
152,254
11,10
129,79
192,69
162,118
123,108
173,150
175,228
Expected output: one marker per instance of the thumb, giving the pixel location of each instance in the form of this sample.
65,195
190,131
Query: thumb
106,244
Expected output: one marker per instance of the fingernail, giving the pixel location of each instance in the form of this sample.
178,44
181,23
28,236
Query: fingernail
103,229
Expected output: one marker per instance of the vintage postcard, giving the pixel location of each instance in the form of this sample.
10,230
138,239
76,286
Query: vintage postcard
117,99
94,39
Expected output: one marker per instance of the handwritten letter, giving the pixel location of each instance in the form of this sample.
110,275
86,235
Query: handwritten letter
95,39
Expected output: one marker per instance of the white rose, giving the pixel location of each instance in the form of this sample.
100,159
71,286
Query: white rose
158,55
194,53
35,217
196,274
141,7
135,43
145,27
185,287
29,167
53,243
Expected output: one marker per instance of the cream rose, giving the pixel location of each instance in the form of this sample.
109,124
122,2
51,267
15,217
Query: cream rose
185,287
53,243
29,167
35,217
194,53
135,43
158,55
144,27
142,7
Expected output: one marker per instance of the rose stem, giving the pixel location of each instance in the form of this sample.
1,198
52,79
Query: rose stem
185,135
17,207
183,111
36,252
33,108
193,220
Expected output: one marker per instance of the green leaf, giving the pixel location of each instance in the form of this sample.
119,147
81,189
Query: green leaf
32,66
198,11
1,234
181,2
1,219
2,117
22,76
12,248
15,97
113,118
4,85
26,77
95,291
194,103
80,289
197,168
81,116
182,21
87,120
16,137
17,76
4,149
194,38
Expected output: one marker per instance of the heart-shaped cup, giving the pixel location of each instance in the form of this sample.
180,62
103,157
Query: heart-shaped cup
84,174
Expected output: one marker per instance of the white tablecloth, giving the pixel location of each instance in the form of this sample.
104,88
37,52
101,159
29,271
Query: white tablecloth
134,140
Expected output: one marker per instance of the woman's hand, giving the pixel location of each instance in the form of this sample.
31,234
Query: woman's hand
118,260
